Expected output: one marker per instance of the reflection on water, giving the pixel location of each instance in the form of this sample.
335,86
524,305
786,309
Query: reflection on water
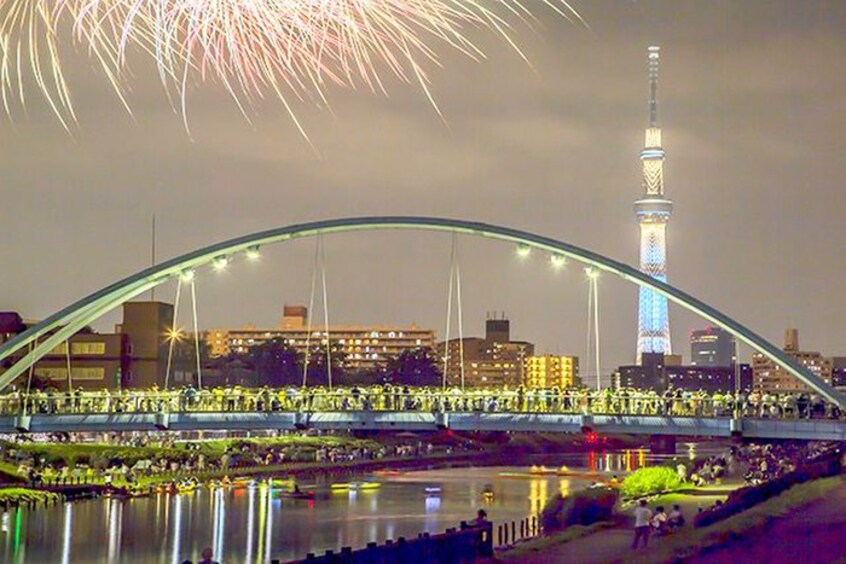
257,524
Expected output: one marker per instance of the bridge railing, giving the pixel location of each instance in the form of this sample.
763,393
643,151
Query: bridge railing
416,400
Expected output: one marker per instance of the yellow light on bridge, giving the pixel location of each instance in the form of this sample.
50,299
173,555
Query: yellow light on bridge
523,250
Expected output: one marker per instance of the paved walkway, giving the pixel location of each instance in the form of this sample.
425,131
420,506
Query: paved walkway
814,534
613,545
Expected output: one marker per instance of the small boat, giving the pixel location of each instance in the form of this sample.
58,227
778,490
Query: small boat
187,487
365,486
280,483
296,495
541,471
244,483
355,486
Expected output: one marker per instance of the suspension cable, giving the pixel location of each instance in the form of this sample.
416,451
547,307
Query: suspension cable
309,312
325,311
173,333
458,303
589,348
595,282
68,360
448,317
196,332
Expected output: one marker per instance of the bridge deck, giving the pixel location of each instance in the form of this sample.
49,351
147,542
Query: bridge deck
804,429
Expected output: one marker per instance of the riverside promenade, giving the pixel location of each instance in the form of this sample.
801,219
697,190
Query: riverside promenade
811,532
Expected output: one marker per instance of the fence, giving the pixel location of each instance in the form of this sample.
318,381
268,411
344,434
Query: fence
466,544
507,533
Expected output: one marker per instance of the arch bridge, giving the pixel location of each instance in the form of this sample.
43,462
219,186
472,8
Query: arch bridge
31,345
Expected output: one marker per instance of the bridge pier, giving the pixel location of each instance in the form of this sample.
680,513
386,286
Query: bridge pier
22,423
662,444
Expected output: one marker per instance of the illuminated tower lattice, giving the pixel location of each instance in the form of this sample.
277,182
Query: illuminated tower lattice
653,211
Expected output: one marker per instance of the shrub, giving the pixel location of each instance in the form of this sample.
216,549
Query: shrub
584,507
648,481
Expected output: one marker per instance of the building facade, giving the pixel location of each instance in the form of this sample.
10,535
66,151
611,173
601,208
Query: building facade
551,371
711,346
768,376
134,356
655,373
364,346
495,360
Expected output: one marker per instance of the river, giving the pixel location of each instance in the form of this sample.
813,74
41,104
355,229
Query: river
256,524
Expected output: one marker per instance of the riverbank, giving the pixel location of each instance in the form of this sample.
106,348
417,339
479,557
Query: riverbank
611,542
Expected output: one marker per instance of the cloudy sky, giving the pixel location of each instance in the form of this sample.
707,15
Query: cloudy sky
753,106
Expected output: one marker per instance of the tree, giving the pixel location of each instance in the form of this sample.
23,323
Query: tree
277,363
417,367
317,372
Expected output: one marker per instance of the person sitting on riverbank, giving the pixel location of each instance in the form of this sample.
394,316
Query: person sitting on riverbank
659,521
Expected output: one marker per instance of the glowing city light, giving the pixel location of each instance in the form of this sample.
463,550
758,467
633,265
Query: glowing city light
523,250
557,261
175,335
220,263
253,253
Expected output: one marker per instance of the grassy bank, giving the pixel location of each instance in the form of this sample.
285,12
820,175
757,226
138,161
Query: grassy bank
26,496
690,542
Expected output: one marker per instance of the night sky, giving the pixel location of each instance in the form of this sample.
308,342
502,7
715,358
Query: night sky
753,108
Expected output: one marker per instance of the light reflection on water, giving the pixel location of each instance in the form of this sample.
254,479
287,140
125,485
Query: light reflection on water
255,524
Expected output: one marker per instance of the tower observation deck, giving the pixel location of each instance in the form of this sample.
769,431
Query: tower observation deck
653,211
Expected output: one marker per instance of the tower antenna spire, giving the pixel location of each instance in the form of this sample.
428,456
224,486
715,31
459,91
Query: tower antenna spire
653,211
654,60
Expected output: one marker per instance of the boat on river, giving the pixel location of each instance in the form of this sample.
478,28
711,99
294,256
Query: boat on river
355,486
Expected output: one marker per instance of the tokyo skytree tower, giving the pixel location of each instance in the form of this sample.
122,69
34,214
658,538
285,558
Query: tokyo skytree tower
653,211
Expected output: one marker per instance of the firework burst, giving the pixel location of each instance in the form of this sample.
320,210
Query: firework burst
254,48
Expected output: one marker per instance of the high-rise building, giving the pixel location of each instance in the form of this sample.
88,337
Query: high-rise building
364,346
495,360
711,346
551,371
653,211
769,376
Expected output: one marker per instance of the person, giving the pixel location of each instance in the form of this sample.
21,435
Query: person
659,521
207,556
642,515
675,519
481,518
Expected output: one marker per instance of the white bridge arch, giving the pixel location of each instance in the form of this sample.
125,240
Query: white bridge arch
63,324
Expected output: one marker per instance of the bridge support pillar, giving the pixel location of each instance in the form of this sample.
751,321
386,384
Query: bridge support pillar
736,428
442,420
22,423
301,421
662,444
162,421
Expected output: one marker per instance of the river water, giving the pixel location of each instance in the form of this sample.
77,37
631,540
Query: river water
256,524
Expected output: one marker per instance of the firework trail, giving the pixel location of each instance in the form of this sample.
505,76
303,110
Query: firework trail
254,48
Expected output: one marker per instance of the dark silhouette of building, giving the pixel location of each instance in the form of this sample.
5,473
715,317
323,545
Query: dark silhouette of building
711,346
658,375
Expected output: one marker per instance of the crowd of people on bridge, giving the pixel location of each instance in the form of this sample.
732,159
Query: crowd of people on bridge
625,401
